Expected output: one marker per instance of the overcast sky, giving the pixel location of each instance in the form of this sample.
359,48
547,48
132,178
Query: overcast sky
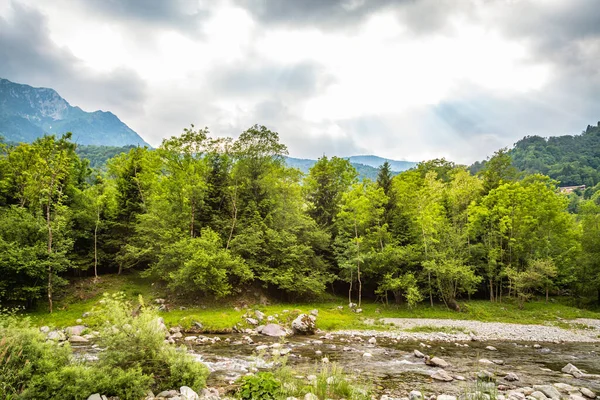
407,80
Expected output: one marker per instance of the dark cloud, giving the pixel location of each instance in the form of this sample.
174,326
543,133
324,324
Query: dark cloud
29,56
314,13
178,14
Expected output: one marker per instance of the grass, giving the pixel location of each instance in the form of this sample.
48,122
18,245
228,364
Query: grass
436,329
221,315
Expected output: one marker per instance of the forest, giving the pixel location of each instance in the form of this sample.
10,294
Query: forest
207,216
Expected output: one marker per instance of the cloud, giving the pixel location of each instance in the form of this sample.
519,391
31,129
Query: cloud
31,57
402,79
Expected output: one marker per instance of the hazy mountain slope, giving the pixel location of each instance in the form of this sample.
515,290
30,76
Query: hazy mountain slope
27,113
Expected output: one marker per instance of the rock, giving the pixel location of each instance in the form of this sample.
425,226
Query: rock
511,377
367,355
572,370
304,324
372,341
198,325
259,315
77,339
538,395
587,393
537,346
177,335
57,336
491,348
314,312
85,314
473,337
209,394
311,378
188,393
190,338
418,354
514,395
310,396
358,310
441,375
252,321
160,301
498,362
485,376
76,330
415,395
273,330
459,377
563,387
549,390
95,396
446,397
485,361
574,396
45,329
436,362
168,393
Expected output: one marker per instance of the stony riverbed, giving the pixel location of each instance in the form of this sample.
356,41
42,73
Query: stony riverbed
534,354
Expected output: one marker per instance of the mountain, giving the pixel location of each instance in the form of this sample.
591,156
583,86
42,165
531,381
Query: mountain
376,162
572,160
367,166
27,113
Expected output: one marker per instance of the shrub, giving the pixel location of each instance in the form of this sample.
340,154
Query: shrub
262,386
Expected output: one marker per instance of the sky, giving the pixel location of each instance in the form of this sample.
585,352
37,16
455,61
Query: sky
406,79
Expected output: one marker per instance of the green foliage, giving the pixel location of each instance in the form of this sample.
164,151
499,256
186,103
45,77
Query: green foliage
138,342
262,385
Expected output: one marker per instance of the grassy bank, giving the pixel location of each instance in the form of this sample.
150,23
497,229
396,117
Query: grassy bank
222,315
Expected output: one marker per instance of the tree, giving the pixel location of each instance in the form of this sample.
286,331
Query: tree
361,214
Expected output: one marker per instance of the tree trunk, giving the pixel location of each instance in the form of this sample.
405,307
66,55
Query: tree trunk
430,291
350,289
358,264
547,294
96,245
192,221
49,225
234,218
491,290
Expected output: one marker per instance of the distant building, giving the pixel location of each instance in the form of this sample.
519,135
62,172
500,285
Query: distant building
570,189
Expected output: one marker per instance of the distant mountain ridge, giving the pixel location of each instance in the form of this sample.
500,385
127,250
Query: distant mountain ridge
27,113
367,166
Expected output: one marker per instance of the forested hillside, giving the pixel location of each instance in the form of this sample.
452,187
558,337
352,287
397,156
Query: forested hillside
571,159
208,216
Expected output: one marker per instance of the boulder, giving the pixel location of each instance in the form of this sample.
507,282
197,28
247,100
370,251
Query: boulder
418,354
549,390
209,394
304,324
259,315
95,396
77,339
436,362
511,377
572,370
563,387
415,395
587,393
273,330
57,336
441,375
188,393
76,330
485,376
538,395
446,397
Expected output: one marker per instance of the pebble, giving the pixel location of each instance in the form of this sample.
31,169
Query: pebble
491,348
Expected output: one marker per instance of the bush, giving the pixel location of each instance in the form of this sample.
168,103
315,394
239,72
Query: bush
138,342
135,360
260,386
